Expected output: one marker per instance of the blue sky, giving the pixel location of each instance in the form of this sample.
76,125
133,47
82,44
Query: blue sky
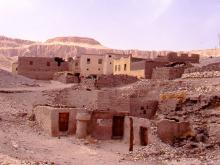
122,24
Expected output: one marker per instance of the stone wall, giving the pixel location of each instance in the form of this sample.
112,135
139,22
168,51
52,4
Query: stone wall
113,100
150,65
114,80
179,57
183,57
167,73
143,107
66,77
105,100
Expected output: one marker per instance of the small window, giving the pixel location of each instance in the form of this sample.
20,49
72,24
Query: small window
99,69
88,60
100,61
31,62
144,112
48,63
87,69
125,67
110,63
109,56
116,67
76,64
119,68
142,108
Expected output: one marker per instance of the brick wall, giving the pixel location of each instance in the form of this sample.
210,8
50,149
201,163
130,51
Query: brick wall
167,73
143,107
114,80
150,65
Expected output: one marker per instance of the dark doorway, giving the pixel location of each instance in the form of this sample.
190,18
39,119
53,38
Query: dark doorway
143,136
63,122
118,127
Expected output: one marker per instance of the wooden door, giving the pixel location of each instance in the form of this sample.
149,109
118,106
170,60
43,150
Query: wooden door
118,127
143,136
63,122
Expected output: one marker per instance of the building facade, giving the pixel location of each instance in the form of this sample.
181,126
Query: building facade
40,68
137,67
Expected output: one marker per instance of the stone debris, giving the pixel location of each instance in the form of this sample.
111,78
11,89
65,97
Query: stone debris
206,74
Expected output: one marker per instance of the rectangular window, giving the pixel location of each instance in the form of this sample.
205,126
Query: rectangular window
125,67
88,60
76,64
119,68
116,67
31,62
100,61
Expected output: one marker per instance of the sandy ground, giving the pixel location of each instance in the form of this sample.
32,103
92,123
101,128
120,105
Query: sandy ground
22,140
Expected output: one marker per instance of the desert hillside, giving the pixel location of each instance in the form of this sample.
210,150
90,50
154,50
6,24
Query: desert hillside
66,47
208,52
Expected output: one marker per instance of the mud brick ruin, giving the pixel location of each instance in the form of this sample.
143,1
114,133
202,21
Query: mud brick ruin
99,108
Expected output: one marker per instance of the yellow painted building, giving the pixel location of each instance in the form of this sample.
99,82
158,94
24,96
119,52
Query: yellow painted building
124,65
95,64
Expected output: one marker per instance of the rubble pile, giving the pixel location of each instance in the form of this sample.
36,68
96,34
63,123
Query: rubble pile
8,80
206,74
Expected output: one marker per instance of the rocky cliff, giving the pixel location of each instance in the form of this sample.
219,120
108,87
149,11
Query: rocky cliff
60,47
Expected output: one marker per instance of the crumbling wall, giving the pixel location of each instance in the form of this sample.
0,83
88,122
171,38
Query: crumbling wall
207,68
199,111
150,65
113,100
167,73
169,130
66,77
114,80
183,57
43,117
143,107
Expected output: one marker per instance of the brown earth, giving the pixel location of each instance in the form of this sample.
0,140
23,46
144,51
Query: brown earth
22,141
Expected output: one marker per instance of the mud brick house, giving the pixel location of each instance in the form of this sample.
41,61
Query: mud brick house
56,120
98,113
41,68
102,114
137,67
